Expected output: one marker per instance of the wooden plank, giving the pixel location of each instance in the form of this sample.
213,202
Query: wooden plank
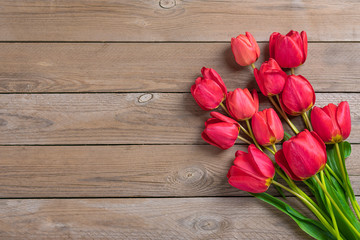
125,171
164,218
135,118
121,20
162,67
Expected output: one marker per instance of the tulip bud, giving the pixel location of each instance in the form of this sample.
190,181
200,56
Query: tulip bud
252,172
221,131
302,156
332,123
290,50
241,105
267,127
245,49
270,78
209,91
298,95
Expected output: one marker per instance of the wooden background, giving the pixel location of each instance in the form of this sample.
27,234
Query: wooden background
100,137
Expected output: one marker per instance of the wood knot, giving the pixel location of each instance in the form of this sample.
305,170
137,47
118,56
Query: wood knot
191,175
145,98
167,4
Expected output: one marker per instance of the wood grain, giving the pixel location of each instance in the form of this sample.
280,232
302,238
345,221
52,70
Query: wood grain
173,218
125,171
121,20
161,67
133,118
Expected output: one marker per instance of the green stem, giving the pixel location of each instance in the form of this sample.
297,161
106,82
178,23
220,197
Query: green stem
283,114
294,187
253,66
244,140
334,175
252,135
307,121
347,182
330,208
310,206
269,149
274,147
292,70
337,207
241,127
225,109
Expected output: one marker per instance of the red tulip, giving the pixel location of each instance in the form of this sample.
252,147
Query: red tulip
209,91
332,123
270,78
241,105
221,131
298,95
245,49
290,50
251,172
302,156
267,127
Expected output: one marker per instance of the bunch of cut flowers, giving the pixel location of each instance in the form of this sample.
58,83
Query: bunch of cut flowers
314,156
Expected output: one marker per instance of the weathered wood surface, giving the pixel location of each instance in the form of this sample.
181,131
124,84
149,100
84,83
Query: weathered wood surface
175,20
154,218
131,118
125,171
161,67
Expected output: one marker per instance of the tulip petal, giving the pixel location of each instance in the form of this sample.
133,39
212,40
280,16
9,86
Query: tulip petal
246,182
282,162
323,125
260,129
255,99
304,44
207,93
223,118
262,162
260,82
253,43
210,73
344,119
274,124
272,41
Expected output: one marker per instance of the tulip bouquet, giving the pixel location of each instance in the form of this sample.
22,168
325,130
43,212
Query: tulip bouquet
314,156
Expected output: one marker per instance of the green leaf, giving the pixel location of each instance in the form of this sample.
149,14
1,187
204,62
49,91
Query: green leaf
312,227
347,148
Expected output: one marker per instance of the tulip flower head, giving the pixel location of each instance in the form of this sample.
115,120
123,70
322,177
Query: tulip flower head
252,172
241,104
298,95
245,49
221,131
302,156
270,78
209,91
288,50
332,123
267,127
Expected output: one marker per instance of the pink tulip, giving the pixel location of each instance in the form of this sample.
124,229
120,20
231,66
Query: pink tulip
298,95
241,105
209,91
221,131
290,50
332,123
267,127
252,172
270,78
302,156
245,49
